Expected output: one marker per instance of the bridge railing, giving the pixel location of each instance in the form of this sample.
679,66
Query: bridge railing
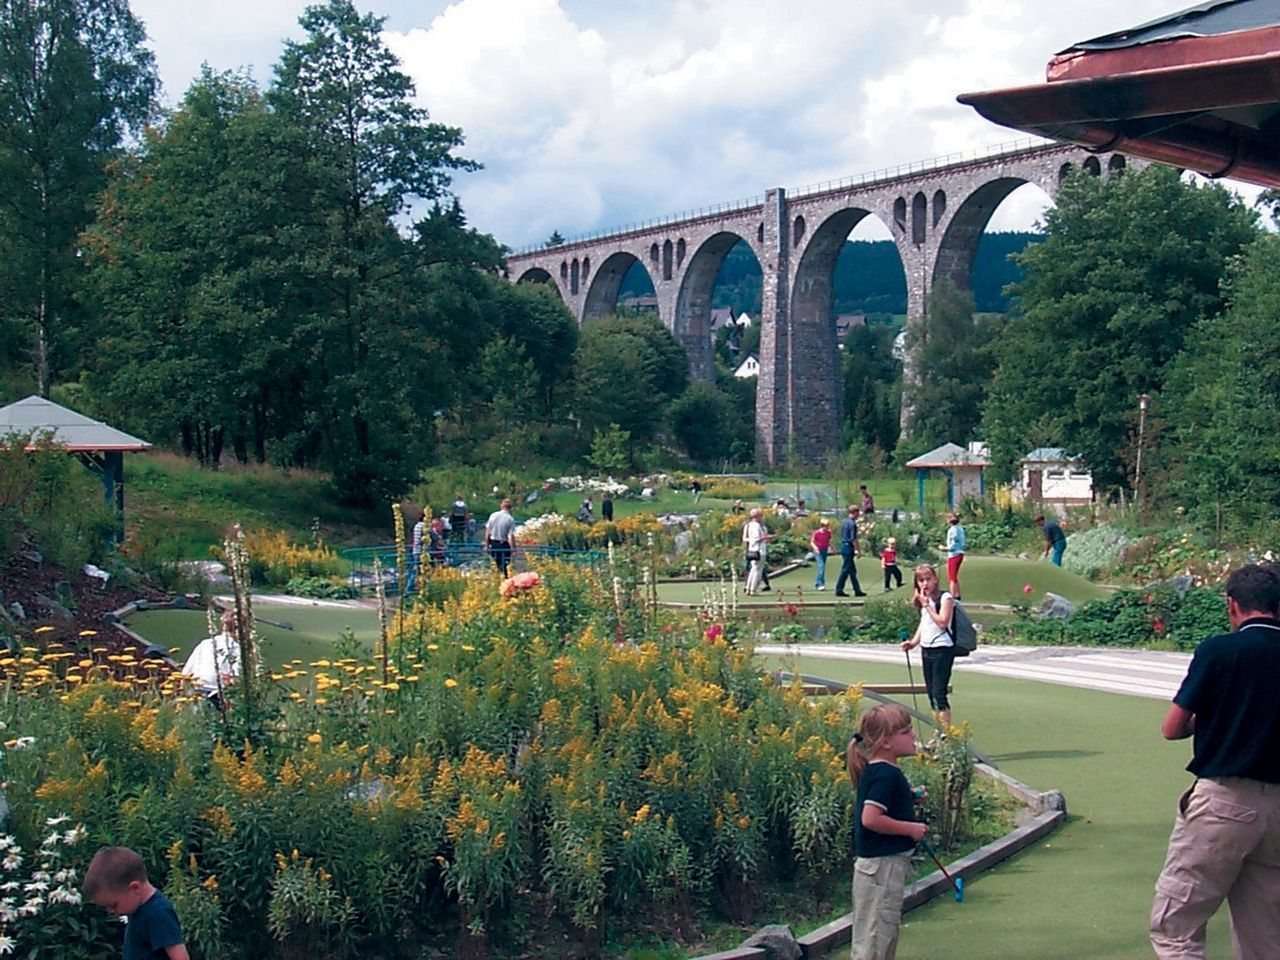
1008,148
731,206
737,206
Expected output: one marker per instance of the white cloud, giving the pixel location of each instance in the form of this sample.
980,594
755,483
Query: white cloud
590,115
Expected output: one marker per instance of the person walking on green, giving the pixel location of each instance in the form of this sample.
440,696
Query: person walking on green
1054,539
849,551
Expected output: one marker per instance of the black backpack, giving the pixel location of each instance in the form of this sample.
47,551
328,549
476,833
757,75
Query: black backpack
964,636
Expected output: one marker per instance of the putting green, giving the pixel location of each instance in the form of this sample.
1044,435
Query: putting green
982,580
1086,890
315,630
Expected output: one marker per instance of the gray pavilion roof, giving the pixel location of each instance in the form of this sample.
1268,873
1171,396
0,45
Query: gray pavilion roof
948,455
75,431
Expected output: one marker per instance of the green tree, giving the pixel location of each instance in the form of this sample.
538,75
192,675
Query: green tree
373,153
626,371
702,420
610,450
193,266
1128,266
1221,401
870,375
953,369
75,81
534,316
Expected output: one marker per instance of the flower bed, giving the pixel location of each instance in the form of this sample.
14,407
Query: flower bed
559,753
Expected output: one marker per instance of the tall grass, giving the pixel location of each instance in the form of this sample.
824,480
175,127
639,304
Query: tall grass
173,501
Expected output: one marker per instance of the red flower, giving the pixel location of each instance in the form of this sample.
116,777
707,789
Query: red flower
1147,597
792,609
1159,625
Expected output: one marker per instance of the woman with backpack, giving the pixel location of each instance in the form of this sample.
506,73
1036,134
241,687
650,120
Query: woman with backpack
933,637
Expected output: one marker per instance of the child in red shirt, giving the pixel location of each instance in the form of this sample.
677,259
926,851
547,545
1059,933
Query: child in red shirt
889,563
820,544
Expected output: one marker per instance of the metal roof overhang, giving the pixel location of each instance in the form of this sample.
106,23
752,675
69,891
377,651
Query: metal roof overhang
1205,103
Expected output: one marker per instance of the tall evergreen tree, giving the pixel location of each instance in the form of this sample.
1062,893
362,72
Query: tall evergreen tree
75,82
372,153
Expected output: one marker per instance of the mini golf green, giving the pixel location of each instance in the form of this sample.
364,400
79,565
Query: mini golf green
1085,891
316,629
982,580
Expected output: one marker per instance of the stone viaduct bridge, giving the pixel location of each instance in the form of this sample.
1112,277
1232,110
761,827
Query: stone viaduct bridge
936,212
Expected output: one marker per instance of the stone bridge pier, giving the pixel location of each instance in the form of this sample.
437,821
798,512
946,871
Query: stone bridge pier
935,212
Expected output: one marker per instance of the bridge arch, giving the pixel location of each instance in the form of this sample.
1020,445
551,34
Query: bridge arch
953,264
691,324
603,285
816,373
540,275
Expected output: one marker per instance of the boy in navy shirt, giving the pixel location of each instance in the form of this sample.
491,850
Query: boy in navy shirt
117,881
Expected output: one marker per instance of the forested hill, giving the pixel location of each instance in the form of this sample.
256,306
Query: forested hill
868,276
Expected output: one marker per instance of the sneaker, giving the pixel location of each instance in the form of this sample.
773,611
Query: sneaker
820,587
766,589
861,593
839,594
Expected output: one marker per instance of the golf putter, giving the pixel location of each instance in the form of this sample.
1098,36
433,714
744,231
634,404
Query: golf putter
957,882
902,635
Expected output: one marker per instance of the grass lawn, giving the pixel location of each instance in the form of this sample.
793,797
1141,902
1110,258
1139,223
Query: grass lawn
1086,891
834,496
982,580
314,635
172,500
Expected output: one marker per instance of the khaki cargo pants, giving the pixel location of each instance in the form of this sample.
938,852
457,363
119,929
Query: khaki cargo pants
877,905
1225,846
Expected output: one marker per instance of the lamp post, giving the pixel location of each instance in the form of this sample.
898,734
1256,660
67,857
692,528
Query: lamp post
1144,401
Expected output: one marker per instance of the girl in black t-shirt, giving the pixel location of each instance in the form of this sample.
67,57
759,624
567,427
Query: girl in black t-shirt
885,828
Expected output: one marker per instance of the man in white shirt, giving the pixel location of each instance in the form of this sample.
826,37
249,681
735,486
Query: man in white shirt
215,662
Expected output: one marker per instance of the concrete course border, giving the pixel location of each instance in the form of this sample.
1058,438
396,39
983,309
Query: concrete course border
154,651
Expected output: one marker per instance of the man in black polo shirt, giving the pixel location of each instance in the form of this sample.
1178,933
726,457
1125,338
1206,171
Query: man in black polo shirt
1226,838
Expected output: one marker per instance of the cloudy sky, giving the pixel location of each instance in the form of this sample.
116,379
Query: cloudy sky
592,114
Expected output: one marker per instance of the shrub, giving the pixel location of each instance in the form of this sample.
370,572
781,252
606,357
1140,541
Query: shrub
1130,618
321,588
274,561
1096,551
45,494
732,488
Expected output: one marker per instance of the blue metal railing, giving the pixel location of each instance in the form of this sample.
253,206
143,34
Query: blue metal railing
461,553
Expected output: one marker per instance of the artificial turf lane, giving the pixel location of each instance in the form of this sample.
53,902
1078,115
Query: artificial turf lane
1085,891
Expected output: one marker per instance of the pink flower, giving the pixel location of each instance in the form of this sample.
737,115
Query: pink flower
714,632
1027,588
667,628
521,581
